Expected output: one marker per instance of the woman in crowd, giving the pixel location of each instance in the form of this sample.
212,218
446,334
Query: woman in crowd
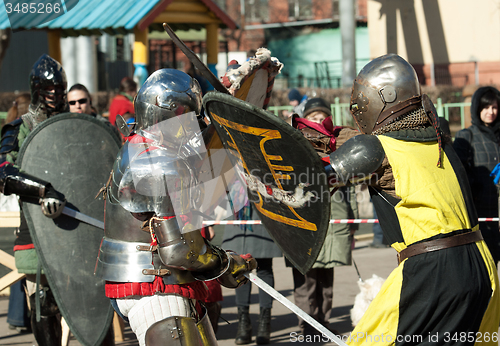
478,148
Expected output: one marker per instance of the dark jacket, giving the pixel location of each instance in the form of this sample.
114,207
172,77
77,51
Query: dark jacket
254,239
479,151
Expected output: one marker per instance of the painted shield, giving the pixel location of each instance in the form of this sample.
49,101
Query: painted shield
75,153
285,178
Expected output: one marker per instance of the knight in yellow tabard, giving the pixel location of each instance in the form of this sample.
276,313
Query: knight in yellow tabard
445,289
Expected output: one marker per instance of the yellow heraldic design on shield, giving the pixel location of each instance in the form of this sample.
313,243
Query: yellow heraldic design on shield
266,134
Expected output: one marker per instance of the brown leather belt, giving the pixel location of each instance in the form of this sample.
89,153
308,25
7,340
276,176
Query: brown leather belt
439,244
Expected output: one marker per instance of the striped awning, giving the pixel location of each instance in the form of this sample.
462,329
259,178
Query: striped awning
94,17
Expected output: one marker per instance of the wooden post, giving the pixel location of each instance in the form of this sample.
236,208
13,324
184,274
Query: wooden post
54,38
118,326
212,46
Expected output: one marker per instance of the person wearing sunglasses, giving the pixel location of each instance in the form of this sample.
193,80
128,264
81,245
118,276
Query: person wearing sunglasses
79,100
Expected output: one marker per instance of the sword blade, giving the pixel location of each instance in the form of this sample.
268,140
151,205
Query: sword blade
294,308
82,217
204,70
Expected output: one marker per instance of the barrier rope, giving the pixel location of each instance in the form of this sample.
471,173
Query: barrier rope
333,221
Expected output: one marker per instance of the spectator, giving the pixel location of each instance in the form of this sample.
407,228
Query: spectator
19,107
313,292
123,102
253,239
298,102
478,148
80,101
17,315
378,234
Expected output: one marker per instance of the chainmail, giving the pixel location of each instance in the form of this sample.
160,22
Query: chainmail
416,119
34,116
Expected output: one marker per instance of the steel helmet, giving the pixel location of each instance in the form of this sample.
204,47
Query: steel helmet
384,89
45,74
167,93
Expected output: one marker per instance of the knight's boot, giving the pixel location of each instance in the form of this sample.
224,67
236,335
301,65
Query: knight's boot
244,333
47,331
264,330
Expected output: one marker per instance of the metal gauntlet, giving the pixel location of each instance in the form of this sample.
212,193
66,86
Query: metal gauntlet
12,181
234,277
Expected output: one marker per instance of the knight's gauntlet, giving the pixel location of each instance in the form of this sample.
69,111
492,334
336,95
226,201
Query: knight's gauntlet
234,277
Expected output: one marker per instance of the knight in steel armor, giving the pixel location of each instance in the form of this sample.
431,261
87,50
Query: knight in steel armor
48,97
446,283
153,256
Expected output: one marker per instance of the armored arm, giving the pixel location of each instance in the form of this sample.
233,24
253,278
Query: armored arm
186,249
13,181
356,159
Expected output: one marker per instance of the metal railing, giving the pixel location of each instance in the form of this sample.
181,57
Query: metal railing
341,114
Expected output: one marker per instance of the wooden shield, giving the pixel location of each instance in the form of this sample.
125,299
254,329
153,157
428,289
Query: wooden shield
285,178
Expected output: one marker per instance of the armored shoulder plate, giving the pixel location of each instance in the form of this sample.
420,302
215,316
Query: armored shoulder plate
359,156
9,141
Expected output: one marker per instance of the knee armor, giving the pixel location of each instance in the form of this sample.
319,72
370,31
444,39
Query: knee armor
181,331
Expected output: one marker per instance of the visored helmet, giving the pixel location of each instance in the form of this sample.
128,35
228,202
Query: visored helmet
384,89
167,93
48,86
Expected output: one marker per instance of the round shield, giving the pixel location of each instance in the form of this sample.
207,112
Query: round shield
284,175
75,153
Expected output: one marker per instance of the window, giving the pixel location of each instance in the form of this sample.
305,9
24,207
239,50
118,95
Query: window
335,8
256,11
300,9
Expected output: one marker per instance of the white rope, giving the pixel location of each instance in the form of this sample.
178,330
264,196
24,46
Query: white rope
258,222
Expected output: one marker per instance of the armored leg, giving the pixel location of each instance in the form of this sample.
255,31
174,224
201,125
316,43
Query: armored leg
206,330
47,331
181,331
